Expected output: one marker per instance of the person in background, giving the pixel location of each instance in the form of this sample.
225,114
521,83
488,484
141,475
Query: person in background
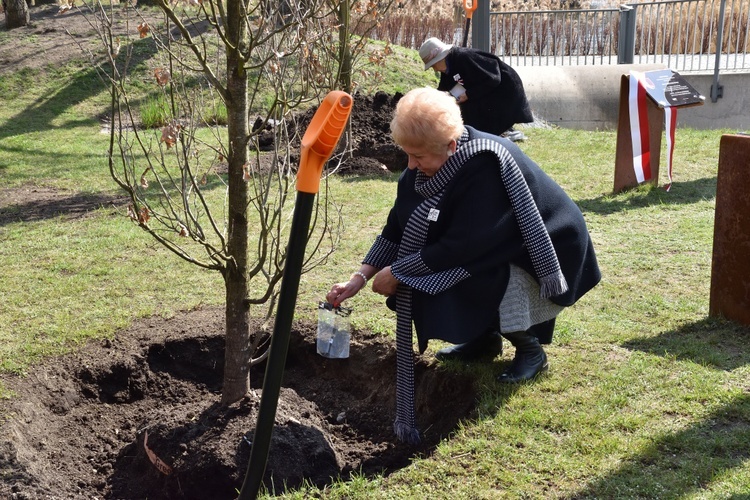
489,92
479,242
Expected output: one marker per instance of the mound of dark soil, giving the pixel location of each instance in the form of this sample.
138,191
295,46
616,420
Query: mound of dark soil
371,150
139,416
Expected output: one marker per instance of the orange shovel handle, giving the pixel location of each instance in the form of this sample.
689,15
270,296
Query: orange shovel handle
470,6
321,137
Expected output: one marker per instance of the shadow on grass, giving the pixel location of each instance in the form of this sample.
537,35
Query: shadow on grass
712,342
34,204
61,94
681,193
37,204
39,115
683,463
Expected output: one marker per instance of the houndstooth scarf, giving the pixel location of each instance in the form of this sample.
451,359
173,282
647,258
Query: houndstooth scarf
535,236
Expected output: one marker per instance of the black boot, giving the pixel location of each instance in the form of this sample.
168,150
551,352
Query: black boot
529,361
487,345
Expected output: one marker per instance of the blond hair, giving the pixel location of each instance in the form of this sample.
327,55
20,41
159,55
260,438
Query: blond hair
428,118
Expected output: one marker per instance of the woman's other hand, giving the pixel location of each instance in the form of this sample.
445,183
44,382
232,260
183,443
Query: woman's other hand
385,283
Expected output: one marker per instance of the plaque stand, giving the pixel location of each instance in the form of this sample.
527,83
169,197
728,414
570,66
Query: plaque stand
624,173
664,88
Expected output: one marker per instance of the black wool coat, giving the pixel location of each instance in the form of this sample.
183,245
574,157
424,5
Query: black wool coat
496,97
477,231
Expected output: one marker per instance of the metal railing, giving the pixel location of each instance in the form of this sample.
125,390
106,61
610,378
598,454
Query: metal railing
685,35
555,37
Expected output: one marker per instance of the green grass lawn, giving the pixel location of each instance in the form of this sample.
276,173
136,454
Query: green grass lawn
648,396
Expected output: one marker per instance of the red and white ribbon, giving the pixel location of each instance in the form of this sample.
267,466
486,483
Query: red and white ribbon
670,124
639,130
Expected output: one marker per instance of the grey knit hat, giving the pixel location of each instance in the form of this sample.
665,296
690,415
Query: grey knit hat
432,51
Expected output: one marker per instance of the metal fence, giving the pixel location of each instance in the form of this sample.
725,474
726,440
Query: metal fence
685,35
555,37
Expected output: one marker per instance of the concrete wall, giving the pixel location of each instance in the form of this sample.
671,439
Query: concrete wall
587,97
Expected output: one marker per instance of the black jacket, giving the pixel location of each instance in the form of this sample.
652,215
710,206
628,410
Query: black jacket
477,231
496,98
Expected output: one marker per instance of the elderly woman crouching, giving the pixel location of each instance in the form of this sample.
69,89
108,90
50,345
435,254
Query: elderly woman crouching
480,242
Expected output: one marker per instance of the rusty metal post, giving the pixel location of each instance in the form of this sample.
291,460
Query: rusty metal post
730,269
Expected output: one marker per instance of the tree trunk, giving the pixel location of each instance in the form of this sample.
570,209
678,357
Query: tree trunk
16,13
345,55
237,350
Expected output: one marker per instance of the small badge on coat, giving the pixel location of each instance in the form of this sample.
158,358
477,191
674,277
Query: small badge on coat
456,77
433,215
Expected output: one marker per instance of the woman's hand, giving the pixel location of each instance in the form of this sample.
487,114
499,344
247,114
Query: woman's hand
342,291
385,283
